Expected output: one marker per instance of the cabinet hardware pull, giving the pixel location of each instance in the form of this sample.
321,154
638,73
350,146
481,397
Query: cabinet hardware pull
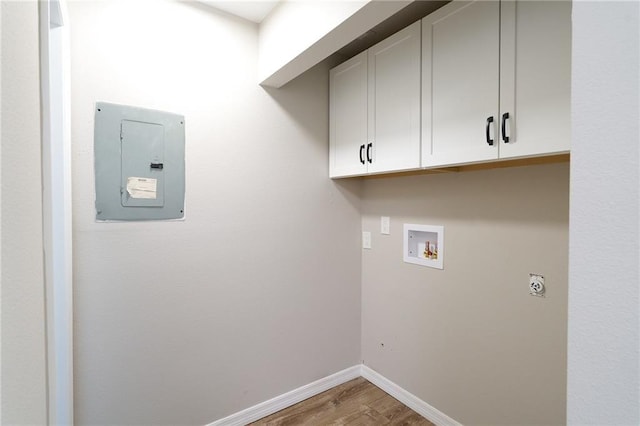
369,145
505,117
361,152
488,132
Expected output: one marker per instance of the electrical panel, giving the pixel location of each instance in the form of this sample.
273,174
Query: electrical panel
139,163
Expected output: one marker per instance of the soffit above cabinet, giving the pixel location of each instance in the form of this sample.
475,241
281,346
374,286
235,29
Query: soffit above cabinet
372,23
351,27
402,19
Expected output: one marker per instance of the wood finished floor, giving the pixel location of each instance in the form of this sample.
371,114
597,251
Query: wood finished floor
356,402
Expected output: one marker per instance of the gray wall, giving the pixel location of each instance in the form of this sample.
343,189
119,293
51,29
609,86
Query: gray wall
257,292
603,337
469,339
23,315
604,295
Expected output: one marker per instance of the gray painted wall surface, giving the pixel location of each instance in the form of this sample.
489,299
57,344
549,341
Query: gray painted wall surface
186,331
257,292
604,294
23,315
469,339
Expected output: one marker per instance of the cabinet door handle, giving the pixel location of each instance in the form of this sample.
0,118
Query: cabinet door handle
361,152
505,117
369,145
488,130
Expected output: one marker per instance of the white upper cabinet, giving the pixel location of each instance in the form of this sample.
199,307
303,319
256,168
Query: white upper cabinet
348,117
475,81
394,101
495,81
375,108
535,77
461,65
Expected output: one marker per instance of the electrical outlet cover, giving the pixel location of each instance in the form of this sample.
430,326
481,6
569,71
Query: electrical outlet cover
366,240
384,225
536,285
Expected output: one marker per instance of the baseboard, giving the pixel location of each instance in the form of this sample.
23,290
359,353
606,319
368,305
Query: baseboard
416,404
288,399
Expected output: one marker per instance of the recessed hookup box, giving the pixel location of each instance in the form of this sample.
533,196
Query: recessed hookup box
424,245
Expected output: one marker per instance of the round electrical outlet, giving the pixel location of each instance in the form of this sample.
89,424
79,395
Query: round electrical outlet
536,285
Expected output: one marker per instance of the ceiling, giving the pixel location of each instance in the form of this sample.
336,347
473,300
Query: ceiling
254,11
257,10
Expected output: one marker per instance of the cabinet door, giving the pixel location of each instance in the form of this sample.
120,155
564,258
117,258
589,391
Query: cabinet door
460,82
348,117
535,86
394,102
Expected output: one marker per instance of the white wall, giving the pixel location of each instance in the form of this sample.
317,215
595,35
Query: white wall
603,366
0,216
309,21
294,26
257,292
23,315
469,339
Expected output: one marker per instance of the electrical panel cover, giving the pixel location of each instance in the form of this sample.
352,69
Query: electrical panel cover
139,163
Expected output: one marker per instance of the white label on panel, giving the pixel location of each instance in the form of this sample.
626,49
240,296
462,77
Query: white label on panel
138,187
